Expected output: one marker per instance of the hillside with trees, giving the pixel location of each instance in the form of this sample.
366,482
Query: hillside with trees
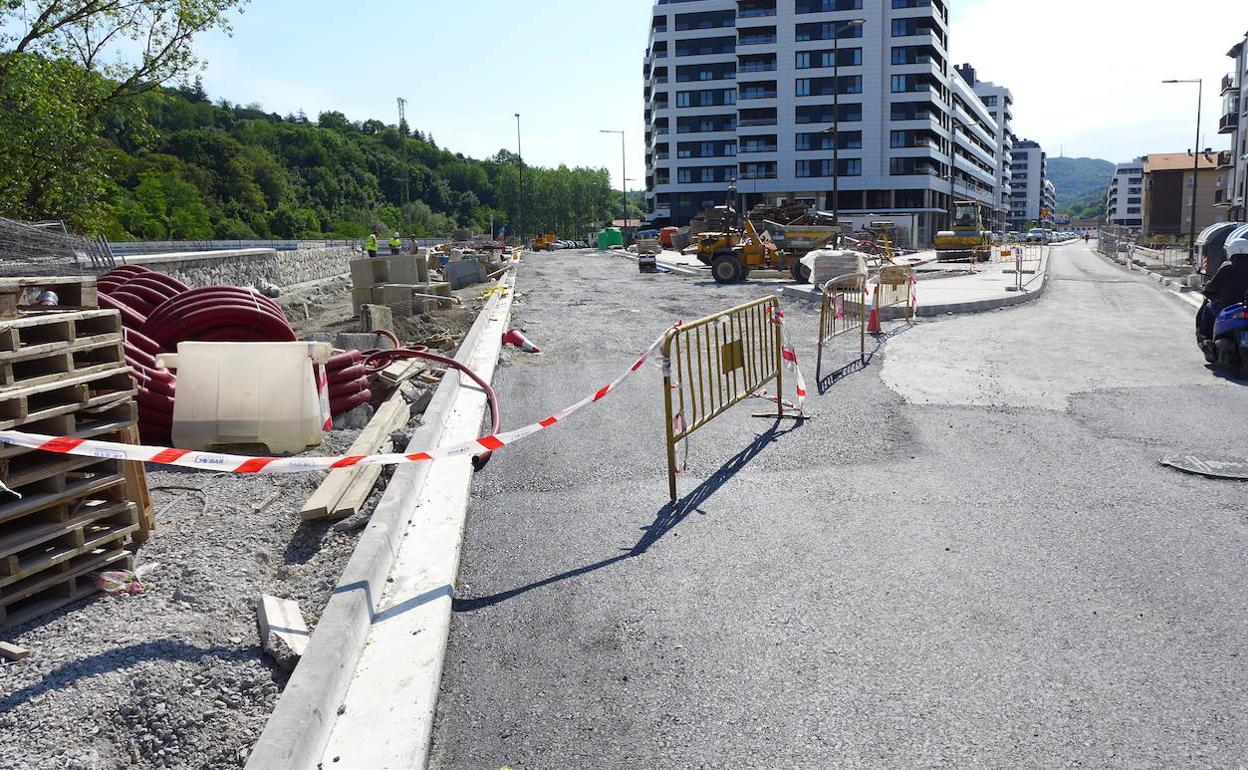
1081,185
93,132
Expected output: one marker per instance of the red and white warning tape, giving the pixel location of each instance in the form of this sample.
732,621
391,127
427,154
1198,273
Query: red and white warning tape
230,463
184,458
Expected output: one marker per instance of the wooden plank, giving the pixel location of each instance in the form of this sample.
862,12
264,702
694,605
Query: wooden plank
36,533
358,490
136,490
81,343
12,651
399,371
392,415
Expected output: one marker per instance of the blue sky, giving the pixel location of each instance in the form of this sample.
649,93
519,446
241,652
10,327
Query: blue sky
572,67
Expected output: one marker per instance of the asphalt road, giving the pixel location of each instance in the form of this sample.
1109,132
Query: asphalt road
969,557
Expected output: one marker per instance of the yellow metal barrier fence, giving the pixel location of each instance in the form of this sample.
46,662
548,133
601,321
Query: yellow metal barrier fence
844,310
895,288
715,363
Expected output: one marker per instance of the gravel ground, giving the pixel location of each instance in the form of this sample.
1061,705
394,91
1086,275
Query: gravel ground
174,677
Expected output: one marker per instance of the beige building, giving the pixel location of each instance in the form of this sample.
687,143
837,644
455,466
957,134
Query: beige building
1167,206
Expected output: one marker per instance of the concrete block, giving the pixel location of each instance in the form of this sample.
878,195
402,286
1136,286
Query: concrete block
376,318
465,273
361,341
361,274
398,297
402,269
422,267
362,297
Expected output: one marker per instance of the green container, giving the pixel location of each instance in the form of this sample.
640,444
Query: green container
609,237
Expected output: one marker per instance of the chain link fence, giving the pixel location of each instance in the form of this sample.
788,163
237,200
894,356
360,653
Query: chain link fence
48,249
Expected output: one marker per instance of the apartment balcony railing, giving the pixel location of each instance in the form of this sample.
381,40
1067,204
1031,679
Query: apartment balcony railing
1228,83
1228,123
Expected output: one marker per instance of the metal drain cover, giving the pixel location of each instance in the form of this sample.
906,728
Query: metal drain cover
1213,467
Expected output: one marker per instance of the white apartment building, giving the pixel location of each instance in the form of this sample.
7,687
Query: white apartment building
1234,121
1125,203
1000,103
752,91
1032,193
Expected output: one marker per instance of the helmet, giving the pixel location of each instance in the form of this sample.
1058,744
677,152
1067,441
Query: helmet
1237,248
48,298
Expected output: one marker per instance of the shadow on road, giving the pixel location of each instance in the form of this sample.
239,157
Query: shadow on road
825,383
667,519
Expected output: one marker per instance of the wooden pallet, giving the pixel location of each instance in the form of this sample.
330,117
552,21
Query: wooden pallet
21,404
73,292
29,550
63,584
49,332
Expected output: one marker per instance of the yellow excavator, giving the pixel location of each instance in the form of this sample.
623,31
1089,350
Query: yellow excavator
967,241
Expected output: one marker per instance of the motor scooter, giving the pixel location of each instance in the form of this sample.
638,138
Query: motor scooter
1228,346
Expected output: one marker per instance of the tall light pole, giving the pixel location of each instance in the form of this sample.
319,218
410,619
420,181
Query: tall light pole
520,157
836,115
623,173
1191,234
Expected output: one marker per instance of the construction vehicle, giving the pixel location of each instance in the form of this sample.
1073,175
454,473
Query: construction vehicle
544,242
733,254
967,241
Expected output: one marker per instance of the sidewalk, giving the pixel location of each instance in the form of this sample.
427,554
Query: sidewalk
990,287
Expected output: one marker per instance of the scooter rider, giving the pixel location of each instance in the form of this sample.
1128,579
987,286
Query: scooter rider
1229,286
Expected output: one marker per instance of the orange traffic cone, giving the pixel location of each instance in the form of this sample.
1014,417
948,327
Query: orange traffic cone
873,321
514,337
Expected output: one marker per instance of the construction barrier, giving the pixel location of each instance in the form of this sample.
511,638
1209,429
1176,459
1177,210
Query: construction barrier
844,310
895,288
713,364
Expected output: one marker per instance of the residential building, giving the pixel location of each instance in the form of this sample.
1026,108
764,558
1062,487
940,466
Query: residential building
756,90
1234,121
1168,179
1000,103
1125,201
1033,196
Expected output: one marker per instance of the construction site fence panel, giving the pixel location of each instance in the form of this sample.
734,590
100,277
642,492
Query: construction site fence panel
895,288
713,364
843,311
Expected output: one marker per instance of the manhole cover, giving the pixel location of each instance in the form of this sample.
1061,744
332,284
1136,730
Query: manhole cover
1213,467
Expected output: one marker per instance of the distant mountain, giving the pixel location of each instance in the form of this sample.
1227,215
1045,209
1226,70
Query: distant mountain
1078,177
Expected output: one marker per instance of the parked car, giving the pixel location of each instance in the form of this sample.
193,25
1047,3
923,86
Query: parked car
1037,235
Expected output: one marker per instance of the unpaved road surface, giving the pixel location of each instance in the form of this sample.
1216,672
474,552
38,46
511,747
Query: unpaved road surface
969,557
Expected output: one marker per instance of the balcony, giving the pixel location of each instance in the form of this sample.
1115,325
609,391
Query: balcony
1228,83
1229,123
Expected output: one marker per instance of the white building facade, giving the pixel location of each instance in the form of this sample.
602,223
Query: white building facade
752,91
1234,121
999,101
1033,196
1125,201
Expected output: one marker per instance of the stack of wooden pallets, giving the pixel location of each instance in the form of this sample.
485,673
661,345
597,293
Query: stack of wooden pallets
63,373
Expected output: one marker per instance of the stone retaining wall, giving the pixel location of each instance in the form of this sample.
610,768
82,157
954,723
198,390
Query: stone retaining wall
244,267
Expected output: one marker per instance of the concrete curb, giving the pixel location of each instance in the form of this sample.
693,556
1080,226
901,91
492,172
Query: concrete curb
297,732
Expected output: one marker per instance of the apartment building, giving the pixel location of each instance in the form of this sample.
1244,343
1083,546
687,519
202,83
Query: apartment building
1000,104
772,93
1033,196
1234,121
1168,181
1125,203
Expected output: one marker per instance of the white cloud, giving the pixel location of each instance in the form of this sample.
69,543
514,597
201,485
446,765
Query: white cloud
1086,74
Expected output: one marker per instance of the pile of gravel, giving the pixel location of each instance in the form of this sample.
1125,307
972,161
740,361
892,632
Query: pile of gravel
175,676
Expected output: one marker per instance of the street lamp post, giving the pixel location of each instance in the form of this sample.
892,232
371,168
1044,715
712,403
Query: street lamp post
520,158
623,172
836,115
1191,233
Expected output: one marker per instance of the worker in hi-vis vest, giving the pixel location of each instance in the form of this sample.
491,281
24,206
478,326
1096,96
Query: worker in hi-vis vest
395,244
370,245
